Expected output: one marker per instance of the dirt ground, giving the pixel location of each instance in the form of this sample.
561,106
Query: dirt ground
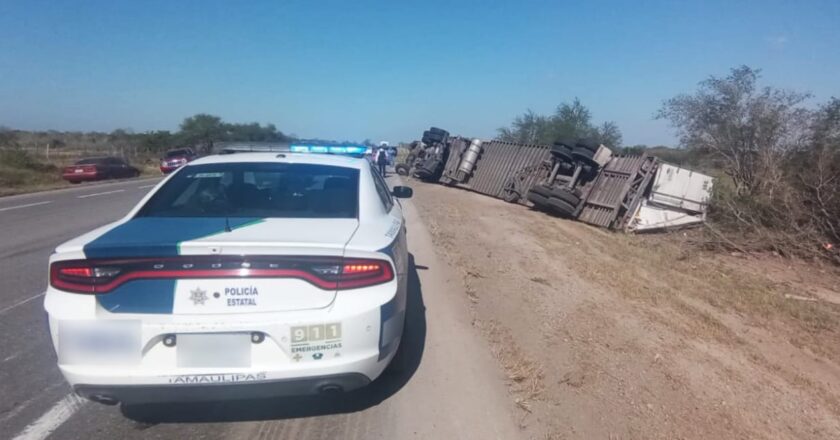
603,335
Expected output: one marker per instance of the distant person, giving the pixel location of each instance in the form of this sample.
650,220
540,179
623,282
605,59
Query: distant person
382,160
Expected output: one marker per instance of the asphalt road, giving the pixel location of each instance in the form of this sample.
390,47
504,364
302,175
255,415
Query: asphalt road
453,388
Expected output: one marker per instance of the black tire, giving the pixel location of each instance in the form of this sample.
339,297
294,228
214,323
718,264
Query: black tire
584,156
542,190
566,196
434,137
402,169
538,200
562,152
560,207
439,131
589,144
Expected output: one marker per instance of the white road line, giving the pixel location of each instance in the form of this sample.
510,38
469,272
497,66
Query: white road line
100,194
20,406
20,303
52,419
24,206
146,186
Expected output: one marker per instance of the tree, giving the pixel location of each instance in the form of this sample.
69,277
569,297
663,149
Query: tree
530,128
569,121
202,131
156,142
818,170
751,130
253,132
609,134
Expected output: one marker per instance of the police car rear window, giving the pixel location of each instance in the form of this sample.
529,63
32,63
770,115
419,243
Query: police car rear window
269,190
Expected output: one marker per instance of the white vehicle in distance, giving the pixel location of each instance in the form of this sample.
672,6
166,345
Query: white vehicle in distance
244,275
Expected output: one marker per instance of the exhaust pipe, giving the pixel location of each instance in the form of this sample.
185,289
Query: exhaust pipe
330,389
104,399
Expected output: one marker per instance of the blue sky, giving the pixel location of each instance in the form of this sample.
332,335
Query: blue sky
388,70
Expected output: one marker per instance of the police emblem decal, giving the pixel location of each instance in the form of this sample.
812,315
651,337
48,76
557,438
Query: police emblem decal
198,296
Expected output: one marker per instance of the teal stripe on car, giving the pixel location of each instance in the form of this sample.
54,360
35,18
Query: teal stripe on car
158,236
149,237
141,296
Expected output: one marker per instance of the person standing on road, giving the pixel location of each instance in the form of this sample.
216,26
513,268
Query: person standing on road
381,160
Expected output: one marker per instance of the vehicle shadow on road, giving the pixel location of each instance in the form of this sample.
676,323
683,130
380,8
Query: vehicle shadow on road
388,384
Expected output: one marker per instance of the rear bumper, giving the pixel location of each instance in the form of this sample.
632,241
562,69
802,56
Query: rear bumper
221,391
371,323
80,177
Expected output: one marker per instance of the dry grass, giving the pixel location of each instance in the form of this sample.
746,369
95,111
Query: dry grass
524,374
665,271
21,172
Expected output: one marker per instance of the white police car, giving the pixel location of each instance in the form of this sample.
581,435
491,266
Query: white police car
242,275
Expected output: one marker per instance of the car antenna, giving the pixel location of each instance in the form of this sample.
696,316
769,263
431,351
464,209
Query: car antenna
227,224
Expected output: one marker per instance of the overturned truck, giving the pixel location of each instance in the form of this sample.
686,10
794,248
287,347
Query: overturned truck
579,179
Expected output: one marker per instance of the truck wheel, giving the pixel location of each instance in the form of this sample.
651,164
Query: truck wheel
589,144
435,137
542,190
566,196
539,201
584,156
562,149
560,207
402,169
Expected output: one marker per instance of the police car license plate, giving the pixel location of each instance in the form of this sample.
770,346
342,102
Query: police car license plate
214,350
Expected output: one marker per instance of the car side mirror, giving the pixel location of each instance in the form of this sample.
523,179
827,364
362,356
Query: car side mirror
402,192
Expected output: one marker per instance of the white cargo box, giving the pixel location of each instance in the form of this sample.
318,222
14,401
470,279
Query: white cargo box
655,218
681,188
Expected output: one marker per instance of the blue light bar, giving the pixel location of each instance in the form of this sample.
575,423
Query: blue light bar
328,149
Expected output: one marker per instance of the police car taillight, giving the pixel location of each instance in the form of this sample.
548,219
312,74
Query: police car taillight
356,273
103,276
81,278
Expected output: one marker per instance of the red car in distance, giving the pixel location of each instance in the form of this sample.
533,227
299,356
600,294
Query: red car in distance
174,159
99,168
